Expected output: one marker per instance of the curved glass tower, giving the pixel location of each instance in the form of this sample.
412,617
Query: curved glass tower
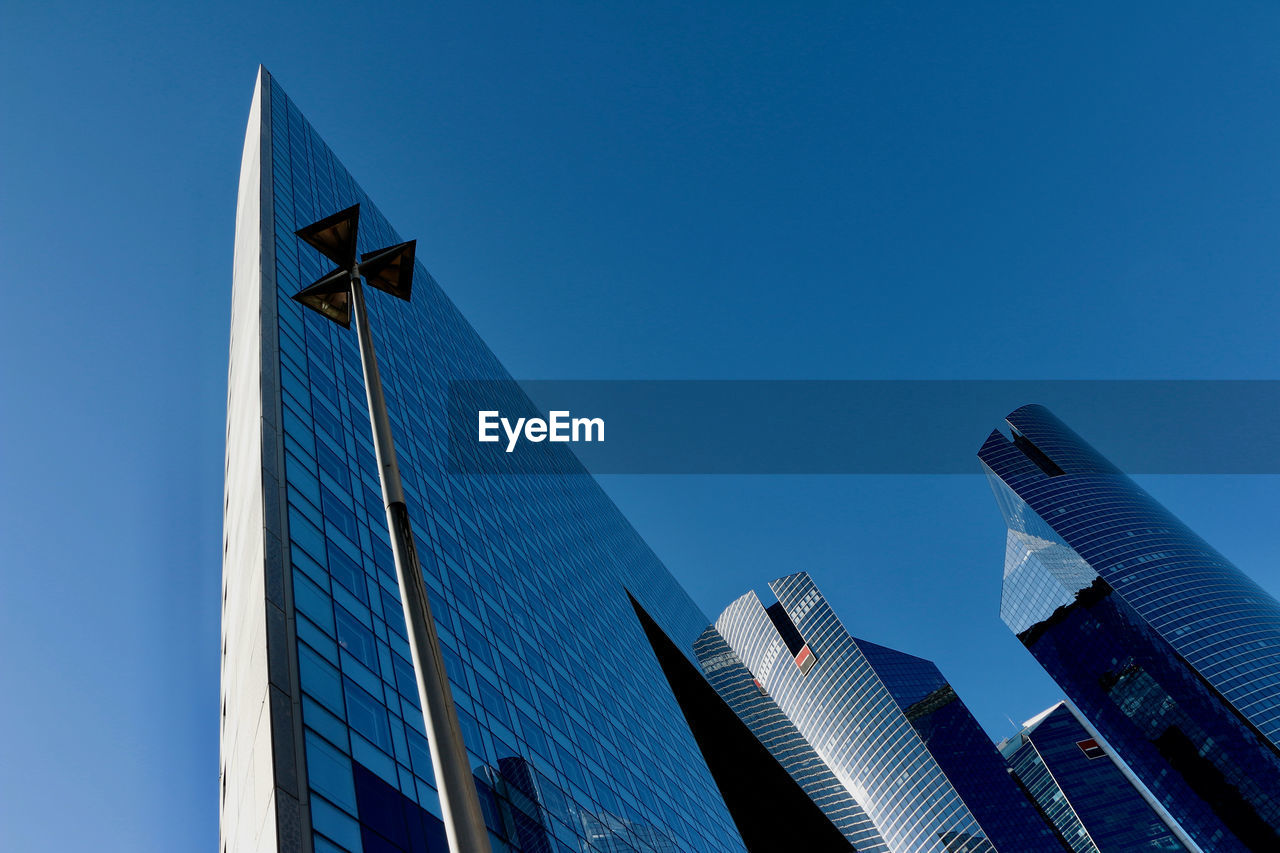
1165,646
575,741
885,723
748,698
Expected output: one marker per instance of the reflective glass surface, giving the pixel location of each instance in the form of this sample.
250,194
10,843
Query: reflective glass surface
573,735
886,724
748,698
1082,790
1166,647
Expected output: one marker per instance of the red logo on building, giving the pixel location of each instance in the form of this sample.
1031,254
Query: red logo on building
805,660
1090,748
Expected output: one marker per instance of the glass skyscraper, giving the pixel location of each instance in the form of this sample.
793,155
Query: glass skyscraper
1169,650
575,740
746,695
885,724
1081,787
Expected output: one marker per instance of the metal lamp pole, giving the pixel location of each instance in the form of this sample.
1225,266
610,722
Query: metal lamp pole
339,295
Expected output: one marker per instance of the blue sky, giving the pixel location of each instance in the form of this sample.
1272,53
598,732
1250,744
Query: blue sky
672,190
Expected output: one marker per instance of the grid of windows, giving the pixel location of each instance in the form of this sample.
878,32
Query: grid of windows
890,728
554,682
1095,808
734,683
1031,772
1167,648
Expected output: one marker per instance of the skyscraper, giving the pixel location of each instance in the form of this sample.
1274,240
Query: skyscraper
748,698
1082,788
1165,646
572,734
886,724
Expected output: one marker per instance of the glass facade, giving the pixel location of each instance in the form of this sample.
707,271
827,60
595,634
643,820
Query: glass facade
1169,650
575,740
748,698
1082,790
886,724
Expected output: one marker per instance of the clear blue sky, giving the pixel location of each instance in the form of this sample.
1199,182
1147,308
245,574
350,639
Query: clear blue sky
675,190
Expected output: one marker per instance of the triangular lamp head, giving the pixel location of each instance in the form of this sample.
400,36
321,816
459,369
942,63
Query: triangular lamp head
330,296
335,236
390,269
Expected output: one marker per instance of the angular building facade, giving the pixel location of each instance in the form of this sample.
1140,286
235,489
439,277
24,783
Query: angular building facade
1169,650
913,762
746,695
1081,787
575,741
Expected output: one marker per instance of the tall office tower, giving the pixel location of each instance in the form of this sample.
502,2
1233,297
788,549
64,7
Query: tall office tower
886,724
731,679
1169,650
1084,790
572,733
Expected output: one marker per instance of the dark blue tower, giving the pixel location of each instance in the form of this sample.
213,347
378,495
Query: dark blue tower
1081,787
1165,646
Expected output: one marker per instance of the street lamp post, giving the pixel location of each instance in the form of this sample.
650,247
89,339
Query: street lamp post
339,295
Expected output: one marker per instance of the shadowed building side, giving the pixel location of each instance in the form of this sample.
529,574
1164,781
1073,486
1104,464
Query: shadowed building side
771,810
1083,789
